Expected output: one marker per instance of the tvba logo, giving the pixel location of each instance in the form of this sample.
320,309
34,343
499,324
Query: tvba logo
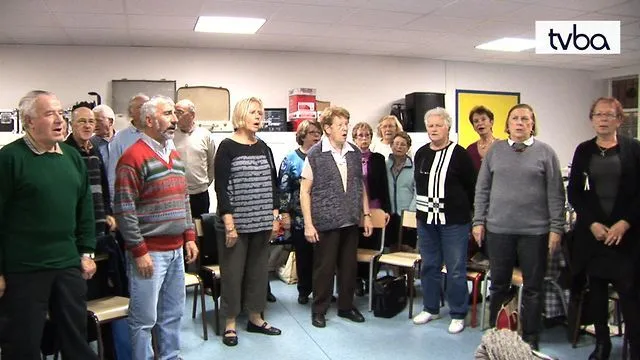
577,37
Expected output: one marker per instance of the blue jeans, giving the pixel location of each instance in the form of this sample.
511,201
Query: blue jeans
158,300
444,244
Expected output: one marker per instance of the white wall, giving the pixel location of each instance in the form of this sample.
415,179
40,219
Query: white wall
366,85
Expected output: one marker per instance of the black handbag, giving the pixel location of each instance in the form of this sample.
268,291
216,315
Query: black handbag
389,296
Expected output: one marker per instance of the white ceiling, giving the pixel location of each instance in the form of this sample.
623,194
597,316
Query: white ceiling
435,29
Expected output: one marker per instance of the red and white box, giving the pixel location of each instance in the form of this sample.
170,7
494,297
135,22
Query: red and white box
302,103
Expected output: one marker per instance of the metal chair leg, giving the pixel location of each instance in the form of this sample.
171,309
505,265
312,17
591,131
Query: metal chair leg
371,283
474,301
485,289
411,290
195,301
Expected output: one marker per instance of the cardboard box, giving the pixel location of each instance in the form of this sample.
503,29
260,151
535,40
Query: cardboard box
321,105
302,100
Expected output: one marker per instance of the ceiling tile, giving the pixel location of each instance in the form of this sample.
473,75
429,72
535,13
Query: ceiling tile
584,5
408,6
478,9
166,7
150,22
599,16
630,44
530,13
240,8
24,5
298,28
311,14
90,21
86,6
631,29
377,18
499,29
162,38
442,24
9,20
39,35
629,8
99,37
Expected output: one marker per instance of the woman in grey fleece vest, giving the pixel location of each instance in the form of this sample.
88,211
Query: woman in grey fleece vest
519,208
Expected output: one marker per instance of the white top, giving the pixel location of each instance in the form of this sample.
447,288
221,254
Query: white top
197,149
379,147
339,157
164,151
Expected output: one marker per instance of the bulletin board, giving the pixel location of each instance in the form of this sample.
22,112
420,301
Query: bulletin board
498,102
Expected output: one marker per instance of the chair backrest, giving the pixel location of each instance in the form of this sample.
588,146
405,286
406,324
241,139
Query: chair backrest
409,219
208,239
378,221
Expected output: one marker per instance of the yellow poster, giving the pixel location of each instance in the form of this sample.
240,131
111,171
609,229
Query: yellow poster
498,102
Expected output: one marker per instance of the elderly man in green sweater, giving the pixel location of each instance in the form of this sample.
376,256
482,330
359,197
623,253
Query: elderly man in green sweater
47,235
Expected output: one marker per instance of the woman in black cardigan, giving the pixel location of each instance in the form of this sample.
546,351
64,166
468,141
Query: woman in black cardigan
604,189
376,185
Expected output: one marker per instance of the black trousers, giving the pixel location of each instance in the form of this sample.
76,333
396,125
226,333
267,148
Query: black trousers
531,252
199,204
304,261
25,304
337,249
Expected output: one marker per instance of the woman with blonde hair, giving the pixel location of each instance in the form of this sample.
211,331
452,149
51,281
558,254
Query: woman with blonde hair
249,208
387,128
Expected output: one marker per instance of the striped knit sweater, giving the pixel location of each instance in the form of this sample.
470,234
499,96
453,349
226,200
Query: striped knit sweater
246,185
97,181
151,202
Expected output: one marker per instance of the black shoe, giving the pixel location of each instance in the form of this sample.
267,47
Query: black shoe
353,315
532,341
318,320
303,300
601,352
230,340
251,327
271,297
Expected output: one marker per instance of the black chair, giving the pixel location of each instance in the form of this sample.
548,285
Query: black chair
208,264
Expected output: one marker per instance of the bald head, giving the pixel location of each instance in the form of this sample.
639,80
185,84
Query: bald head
83,123
186,114
135,104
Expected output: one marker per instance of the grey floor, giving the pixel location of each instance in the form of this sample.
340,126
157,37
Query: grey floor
377,338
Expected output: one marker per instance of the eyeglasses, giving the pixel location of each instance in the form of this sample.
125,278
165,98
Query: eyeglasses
363,136
608,116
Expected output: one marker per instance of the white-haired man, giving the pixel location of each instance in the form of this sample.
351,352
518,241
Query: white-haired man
104,131
197,149
48,235
152,208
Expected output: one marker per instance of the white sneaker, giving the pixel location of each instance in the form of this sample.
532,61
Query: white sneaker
424,317
456,326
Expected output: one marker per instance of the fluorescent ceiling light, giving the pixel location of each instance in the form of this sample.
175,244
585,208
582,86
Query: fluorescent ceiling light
228,25
508,44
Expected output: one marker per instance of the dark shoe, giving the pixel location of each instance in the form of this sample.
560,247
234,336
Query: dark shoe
251,327
230,340
532,341
271,297
601,352
318,320
303,300
353,315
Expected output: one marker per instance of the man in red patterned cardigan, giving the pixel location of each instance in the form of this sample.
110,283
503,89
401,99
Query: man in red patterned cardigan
151,205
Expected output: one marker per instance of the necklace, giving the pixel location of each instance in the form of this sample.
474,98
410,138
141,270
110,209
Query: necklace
603,150
484,146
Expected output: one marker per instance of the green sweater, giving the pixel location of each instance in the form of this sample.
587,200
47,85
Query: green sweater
46,209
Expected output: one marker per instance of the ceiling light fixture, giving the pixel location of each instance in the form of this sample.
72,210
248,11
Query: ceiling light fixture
508,44
228,25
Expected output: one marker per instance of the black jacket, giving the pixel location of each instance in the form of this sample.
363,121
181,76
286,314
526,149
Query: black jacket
587,205
377,181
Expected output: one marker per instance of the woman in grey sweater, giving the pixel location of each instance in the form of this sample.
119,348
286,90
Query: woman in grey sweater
519,208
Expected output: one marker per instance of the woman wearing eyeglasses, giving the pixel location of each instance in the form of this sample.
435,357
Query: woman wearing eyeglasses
307,135
519,209
445,180
604,189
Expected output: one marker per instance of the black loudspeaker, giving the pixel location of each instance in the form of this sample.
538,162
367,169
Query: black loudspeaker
418,103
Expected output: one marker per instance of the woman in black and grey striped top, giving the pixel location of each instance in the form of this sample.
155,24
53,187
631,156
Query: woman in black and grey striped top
245,178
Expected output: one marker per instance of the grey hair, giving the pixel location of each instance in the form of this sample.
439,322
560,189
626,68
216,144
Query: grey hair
134,98
189,104
438,111
27,104
149,108
105,110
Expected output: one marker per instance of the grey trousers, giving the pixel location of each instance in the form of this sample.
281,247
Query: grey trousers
244,274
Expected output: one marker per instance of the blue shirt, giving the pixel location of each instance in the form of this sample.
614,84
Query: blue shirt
289,186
